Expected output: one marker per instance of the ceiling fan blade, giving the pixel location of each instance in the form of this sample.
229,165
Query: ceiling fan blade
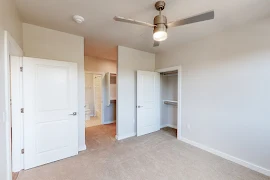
194,19
132,21
156,43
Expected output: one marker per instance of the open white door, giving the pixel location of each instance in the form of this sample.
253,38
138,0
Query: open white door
148,102
50,111
98,96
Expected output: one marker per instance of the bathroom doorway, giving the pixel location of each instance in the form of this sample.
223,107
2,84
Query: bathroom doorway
93,99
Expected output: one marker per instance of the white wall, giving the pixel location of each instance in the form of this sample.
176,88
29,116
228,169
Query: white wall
226,92
10,21
129,61
45,43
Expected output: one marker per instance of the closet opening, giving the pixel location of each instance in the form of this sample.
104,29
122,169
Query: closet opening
169,101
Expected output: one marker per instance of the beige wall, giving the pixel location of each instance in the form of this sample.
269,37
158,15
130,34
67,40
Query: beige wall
226,92
95,64
100,50
10,21
50,44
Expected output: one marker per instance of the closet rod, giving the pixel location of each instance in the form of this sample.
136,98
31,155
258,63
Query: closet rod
174,103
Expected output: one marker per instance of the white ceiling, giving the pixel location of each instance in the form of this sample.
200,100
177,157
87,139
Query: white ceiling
99,27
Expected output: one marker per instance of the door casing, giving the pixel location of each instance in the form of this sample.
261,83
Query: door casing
179,107
11,48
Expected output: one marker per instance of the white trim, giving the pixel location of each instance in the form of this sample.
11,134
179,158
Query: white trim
229,157
109,122
10,48
179,107
125,136
168,125
17,117
174,68
82,148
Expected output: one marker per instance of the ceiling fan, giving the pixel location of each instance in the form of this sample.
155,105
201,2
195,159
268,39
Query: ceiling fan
160,22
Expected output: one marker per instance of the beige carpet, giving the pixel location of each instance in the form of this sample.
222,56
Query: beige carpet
15,176
157,156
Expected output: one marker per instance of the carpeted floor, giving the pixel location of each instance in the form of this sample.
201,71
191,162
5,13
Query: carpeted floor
157,156
15,176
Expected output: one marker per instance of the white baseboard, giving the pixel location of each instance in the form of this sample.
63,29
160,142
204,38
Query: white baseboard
109,122
82,148
168,125
229,157
121,137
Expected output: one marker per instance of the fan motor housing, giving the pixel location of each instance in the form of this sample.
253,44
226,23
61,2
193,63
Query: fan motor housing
160,19
160,27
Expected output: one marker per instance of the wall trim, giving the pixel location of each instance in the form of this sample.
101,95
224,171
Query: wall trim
121,137
228,157
82,148
168,125
169,69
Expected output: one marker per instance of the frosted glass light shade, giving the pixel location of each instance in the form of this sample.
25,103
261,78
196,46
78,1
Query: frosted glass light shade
160,35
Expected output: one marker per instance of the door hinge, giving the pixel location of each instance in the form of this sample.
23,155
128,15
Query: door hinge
22,110
22,151
21,69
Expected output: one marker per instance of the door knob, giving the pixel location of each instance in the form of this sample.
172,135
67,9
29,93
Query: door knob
139,106
73,114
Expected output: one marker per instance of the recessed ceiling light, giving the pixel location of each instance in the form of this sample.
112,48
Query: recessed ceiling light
78,19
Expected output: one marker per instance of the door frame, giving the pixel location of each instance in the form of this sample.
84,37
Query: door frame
11,48
17,116
102,91
179,107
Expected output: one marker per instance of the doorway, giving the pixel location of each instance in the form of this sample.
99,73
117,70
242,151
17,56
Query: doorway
93,99
170,98
159,101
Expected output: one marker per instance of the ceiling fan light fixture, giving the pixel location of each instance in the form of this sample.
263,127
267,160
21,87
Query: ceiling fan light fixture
160,36
160,33
160,24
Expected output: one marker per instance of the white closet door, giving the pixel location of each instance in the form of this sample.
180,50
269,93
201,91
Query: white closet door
148,102
50,107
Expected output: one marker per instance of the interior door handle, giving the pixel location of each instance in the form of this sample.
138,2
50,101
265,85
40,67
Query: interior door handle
139,106
73,114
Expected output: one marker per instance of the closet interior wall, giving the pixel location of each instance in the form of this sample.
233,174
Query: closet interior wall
110,110
169,91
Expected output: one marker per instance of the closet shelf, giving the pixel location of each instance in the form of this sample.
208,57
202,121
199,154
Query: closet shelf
113,100
169,102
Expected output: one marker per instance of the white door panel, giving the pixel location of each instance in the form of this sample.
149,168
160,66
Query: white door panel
50,96
148,118
98,95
